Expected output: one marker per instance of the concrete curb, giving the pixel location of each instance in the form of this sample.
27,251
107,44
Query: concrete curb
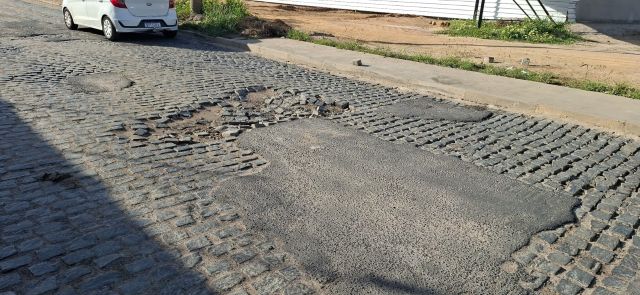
611,113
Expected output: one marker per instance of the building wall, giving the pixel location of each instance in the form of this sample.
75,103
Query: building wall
622,11
463,9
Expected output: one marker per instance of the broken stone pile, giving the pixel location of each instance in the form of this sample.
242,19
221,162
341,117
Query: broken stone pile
247,108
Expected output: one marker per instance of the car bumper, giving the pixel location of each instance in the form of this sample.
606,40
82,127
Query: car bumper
127,23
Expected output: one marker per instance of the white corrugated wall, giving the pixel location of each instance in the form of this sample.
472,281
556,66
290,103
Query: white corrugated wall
463,9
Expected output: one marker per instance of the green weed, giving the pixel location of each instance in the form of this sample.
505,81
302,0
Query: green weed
219,17
534,31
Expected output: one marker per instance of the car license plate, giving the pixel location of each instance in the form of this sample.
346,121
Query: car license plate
152,25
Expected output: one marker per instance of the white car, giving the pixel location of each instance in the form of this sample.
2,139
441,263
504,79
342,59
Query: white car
122,16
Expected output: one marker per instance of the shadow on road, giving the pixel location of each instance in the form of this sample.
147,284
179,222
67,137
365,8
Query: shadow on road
185,40
63,229
629,33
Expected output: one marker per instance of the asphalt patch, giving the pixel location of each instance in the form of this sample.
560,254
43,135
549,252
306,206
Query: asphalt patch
365,216
94,83
433,110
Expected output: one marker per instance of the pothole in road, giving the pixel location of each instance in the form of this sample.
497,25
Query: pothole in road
226,118
95,83
435,110
54,176
202,125
62,178
60,39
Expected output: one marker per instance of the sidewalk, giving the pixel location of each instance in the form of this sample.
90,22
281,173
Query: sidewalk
613,113
610,56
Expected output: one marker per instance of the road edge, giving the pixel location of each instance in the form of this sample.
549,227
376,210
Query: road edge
493,99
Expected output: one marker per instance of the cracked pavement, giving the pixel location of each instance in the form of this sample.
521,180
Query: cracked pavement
101,193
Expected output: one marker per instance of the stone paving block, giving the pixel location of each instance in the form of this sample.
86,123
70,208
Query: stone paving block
139,265
14,262
107,260
191,260
290,273
217,267
135,286
559,258
228,281
567,288
624,272
99,281
622,231
10,279
243,255
614,283
581,277
82,242
548,267
275,259
299,289
7,251
46,285
77,256
255,268
197,243
269,284
73,274
106,248
161,272
609,242
43,268
602,291
590,264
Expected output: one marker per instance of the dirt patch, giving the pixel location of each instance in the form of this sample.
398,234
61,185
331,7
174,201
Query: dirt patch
258,98
204,124
302,8
254,27
227,117
607,58
94,83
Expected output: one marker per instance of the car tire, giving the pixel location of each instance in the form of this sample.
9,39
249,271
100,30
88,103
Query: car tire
68,20
170,34
109,30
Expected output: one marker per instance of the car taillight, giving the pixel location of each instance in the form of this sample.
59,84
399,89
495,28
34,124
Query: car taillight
119,3
172,3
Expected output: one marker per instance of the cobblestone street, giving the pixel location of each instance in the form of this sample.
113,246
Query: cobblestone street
111,155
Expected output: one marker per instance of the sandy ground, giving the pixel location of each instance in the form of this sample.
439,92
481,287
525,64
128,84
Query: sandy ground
605,58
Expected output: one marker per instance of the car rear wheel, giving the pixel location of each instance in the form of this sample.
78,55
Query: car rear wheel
68,20
109,29
170,34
